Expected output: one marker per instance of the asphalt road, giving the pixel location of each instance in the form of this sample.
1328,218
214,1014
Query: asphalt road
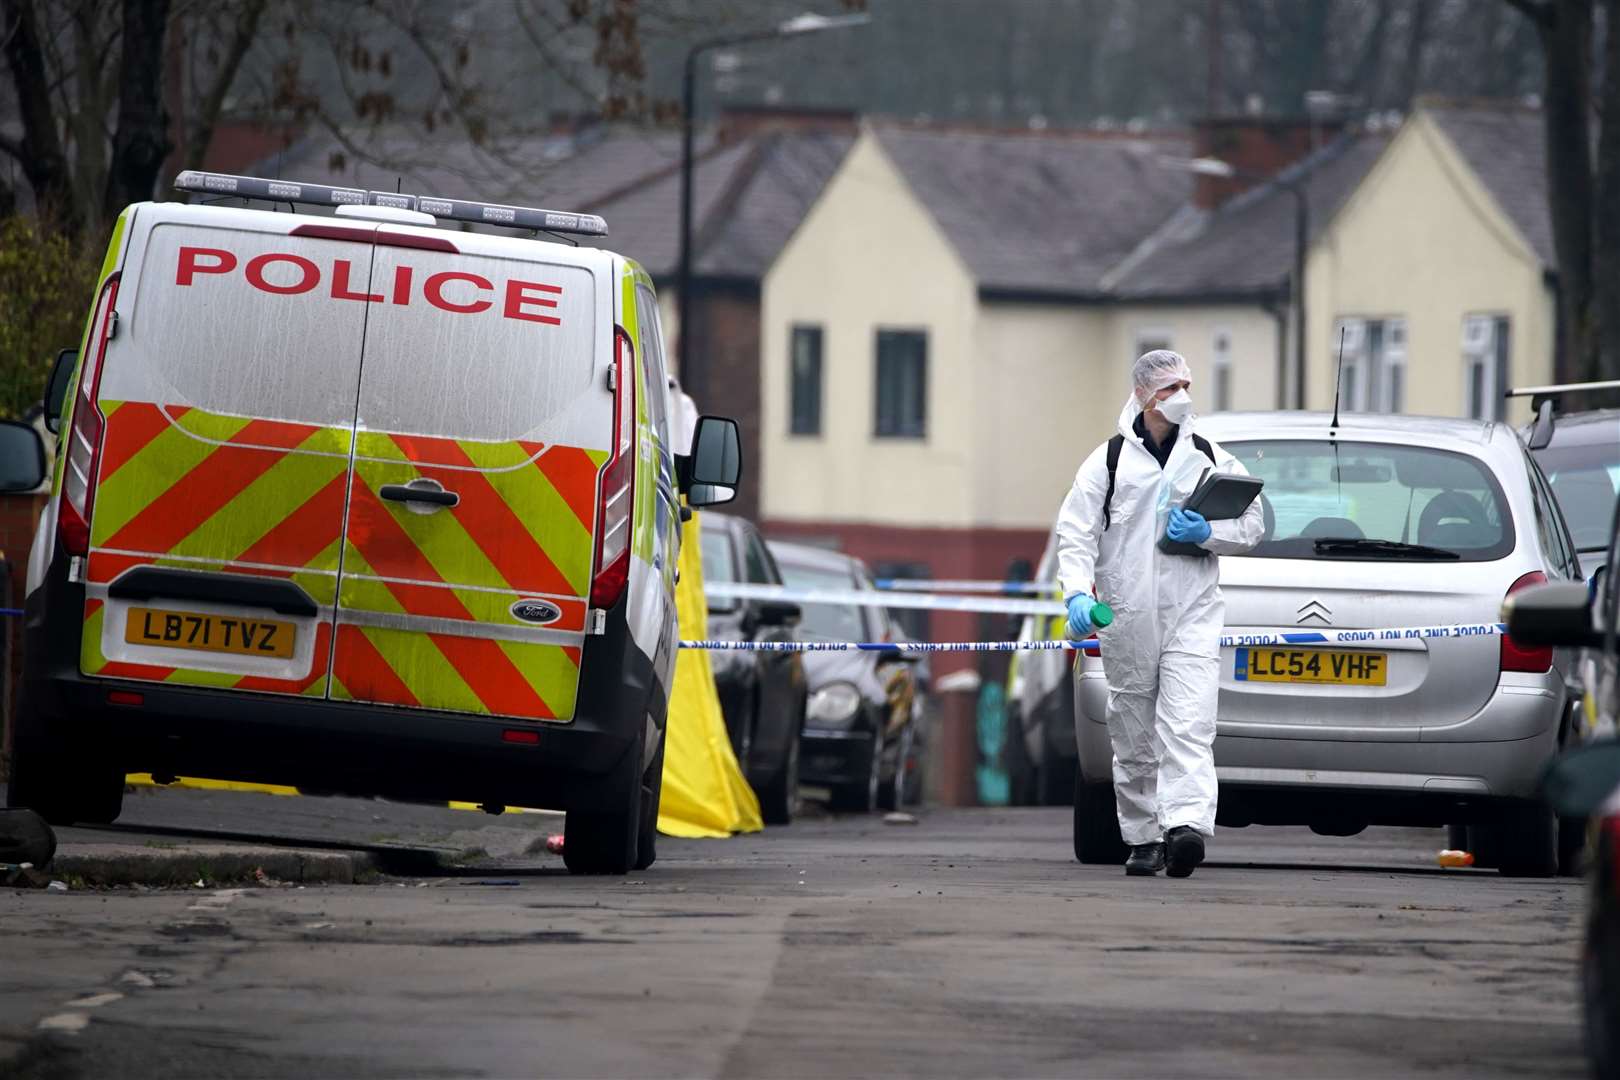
970,944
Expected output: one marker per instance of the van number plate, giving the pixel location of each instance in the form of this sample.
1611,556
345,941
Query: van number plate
1312,666
209,633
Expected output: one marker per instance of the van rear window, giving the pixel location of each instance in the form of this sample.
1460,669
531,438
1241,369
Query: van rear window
489,348
200,334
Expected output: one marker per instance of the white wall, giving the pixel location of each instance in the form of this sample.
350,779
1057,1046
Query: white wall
1422,240
1191,331
869,256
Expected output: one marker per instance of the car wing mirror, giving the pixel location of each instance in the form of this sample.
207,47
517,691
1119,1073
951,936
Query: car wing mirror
22,457
1541,434
1556,613
57,388
712,472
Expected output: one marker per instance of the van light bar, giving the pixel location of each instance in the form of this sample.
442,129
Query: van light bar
511,217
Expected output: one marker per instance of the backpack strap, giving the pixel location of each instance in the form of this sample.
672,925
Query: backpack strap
1202,444
1115,445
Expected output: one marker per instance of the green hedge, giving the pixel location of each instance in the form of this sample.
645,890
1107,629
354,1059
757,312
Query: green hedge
45,293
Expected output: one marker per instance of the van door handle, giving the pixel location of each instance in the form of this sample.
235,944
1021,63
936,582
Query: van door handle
405,493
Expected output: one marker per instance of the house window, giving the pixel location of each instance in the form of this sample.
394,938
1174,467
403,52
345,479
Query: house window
1486,344
902,384
1148,340
1373,364
804,408
1223,371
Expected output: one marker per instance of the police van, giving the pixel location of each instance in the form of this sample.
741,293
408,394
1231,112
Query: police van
357,503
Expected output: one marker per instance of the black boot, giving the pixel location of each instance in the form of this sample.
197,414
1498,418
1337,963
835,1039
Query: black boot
1146,859
1184,850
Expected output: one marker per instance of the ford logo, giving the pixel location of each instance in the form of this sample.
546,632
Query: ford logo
536,611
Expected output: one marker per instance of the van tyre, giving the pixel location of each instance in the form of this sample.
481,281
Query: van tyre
62,787
1096,825
607,841
652,793
779,798
1526,841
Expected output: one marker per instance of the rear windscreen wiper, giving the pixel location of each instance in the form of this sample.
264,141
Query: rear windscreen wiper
1395,549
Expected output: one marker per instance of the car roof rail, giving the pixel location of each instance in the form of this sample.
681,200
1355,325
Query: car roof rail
1545,401
227,186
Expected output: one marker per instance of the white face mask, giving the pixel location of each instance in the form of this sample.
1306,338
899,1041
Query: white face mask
1176,408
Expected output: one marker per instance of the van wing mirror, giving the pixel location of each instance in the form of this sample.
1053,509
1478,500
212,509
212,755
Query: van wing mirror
22,457
56,390
1557,613
711,473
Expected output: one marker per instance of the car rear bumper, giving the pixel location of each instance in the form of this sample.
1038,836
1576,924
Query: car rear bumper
1498,753
340,746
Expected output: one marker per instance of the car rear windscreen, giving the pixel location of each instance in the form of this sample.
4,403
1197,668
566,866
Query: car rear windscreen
828,622
1319,492
1586,480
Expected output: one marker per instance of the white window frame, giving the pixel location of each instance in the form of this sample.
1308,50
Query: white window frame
1221,363
1366,367
1487,351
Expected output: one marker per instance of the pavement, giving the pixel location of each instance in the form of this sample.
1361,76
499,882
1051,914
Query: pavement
968,944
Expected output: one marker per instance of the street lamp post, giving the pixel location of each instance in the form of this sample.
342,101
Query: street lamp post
808,23
1302,222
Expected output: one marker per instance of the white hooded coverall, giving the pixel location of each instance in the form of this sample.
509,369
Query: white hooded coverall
1161,654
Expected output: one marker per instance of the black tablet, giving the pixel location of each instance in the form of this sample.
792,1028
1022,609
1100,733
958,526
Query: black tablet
1219,497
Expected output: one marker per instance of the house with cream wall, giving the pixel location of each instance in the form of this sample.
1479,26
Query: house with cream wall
950,328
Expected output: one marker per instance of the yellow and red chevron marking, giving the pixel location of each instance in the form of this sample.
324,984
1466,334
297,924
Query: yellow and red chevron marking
184,487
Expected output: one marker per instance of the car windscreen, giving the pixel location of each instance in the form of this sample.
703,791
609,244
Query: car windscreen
1586,480
829,622
1353,500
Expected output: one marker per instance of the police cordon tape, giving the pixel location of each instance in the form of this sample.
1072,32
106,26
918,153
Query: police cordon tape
946,585
992,605
1228,641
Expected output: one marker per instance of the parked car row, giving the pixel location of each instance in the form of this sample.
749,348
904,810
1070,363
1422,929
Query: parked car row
1585,782
852,724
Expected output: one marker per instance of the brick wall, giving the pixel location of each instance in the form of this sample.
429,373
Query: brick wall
18,516
726,350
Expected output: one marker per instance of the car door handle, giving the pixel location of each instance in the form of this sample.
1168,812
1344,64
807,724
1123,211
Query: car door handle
407,494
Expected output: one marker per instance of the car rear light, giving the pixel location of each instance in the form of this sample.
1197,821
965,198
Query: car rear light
616,488
1516,657
83,449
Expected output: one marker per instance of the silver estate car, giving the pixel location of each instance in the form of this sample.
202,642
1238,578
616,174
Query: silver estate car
1383,522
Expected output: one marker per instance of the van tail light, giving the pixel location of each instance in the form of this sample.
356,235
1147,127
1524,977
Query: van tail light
1516,657
83,450
615,499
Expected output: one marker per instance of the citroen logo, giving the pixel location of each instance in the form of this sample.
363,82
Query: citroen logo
1315,610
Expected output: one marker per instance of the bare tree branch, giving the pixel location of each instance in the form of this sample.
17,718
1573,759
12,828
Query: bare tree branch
208,112
1537,11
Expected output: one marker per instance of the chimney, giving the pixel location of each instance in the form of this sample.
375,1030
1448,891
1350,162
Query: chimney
739,122
1257,147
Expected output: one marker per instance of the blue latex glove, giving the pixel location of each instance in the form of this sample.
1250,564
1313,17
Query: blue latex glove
1187,527
1080,606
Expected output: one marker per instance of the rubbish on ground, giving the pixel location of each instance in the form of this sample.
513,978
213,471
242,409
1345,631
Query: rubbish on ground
57,886
899,817
1453,857
498,881
261,877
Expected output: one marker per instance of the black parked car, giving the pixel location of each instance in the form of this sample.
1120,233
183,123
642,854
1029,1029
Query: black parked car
1585,782
763,694
862,737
